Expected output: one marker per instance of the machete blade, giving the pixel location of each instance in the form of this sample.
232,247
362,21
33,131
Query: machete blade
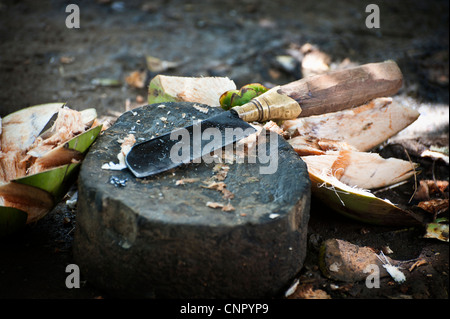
203,137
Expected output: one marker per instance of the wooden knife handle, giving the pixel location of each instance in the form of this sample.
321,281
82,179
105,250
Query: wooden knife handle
324,93
342,89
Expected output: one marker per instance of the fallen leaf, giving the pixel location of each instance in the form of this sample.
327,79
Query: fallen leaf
434,206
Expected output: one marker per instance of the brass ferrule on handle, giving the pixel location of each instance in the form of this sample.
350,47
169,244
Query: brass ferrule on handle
271,105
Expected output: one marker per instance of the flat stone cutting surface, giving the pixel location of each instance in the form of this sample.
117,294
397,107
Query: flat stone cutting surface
156,238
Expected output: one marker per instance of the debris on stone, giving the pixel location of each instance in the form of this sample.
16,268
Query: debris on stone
118,182
125,147
228,207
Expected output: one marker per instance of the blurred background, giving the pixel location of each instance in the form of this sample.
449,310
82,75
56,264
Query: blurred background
42,60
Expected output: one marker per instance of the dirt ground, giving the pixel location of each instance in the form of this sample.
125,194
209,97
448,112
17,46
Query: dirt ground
41,60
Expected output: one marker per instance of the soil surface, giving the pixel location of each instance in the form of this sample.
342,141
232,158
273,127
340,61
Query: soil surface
43,61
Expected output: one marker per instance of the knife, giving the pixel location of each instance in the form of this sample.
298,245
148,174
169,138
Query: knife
46,129
324,93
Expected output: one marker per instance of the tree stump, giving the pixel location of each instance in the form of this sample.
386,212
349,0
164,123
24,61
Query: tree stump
157,238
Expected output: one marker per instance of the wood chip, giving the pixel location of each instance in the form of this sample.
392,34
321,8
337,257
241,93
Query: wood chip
227,194
186,181
220,176
225,207
201,109
418,263
273,127
221,187
214,205
228,208
215,185
163,119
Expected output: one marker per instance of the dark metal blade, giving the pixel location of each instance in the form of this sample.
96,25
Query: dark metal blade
187,144
49,125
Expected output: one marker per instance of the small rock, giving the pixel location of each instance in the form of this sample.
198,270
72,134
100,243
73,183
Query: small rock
387,250
343,261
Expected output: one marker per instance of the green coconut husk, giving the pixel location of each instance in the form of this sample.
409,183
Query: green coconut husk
203,90
26,124
37,193
359,204
55,181
32,200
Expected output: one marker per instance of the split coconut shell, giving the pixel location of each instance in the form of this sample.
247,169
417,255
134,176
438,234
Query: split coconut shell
335,148
359,204
202,90
41,151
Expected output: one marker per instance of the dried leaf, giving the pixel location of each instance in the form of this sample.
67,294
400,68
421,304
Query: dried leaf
434,206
